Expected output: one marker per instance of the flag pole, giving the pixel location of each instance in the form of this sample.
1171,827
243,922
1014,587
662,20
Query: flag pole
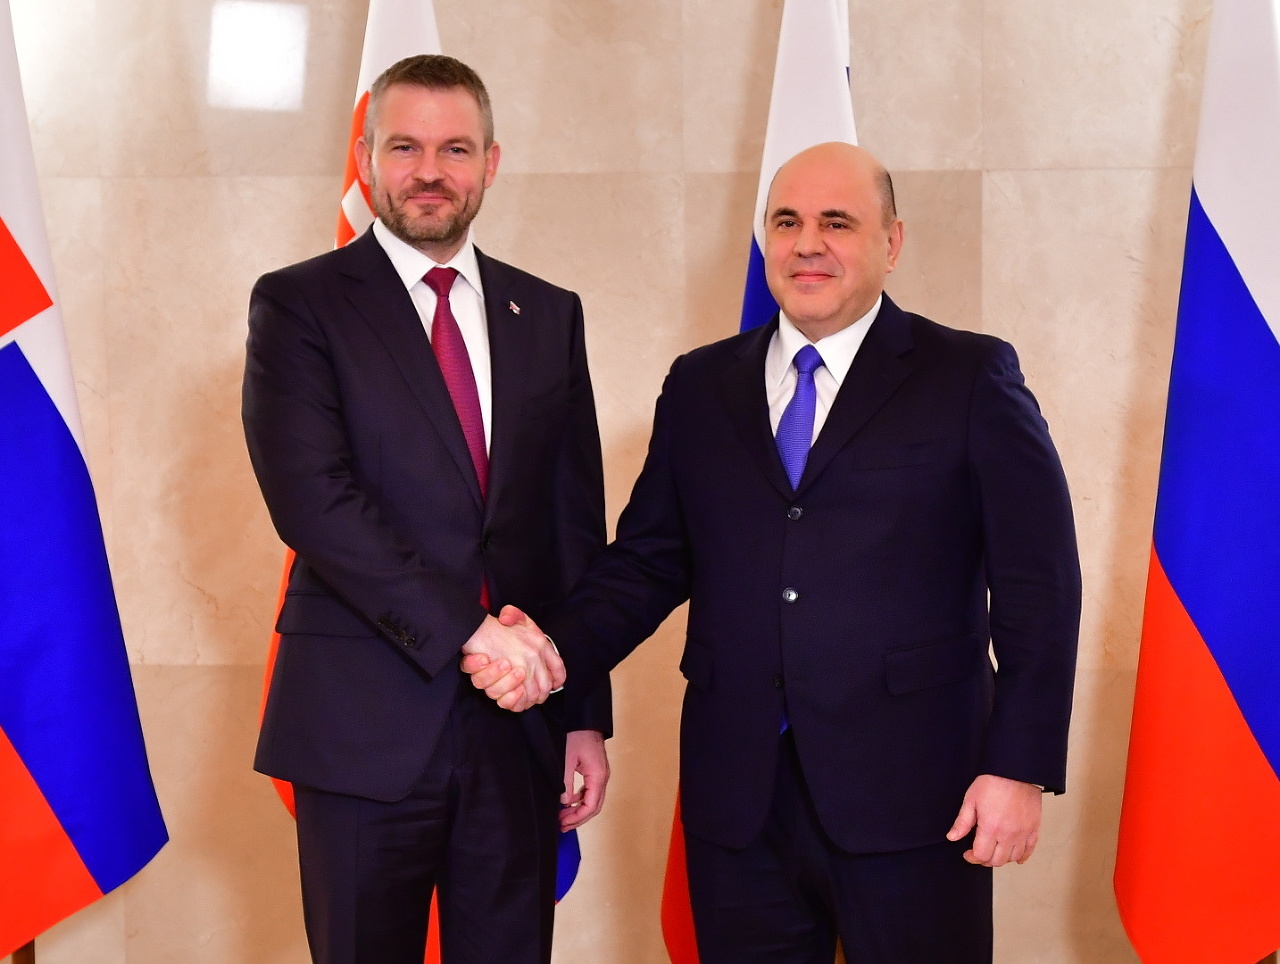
26,954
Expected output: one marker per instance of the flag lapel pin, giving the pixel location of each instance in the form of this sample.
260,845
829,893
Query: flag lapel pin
515,308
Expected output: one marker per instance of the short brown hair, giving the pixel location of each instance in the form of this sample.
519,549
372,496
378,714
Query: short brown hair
888,203
434,72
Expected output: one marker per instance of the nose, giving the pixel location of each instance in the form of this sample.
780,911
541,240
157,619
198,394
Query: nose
428,168
809,241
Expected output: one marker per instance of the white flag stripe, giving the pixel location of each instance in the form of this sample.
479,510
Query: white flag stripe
395,29
18,177
355,209
810,103
1238,142
42,339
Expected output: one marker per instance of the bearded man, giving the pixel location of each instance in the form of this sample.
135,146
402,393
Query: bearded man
421,422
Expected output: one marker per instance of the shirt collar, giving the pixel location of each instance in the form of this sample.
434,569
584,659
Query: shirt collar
411,264
837,350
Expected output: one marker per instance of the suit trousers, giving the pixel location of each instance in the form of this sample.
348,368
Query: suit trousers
785,898
480,826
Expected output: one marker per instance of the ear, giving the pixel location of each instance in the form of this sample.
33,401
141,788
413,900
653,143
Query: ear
364,160
896,238
491,158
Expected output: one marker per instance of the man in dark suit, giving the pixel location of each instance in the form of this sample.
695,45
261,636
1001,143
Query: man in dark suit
421,422
857,502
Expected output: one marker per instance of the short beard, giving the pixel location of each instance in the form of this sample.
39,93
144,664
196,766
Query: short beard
418,232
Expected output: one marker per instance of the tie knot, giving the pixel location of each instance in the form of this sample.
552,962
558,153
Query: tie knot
807,360
440,280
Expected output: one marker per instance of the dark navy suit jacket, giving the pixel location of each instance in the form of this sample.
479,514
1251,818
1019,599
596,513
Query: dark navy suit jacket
931,521
365,470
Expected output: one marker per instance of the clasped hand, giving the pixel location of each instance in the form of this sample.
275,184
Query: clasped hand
513,661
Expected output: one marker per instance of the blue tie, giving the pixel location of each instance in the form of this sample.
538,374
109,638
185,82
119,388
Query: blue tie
795,428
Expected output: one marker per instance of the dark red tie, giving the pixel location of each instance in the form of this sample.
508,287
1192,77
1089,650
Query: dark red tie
455,366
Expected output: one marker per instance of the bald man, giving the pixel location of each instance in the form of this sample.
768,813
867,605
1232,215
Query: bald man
859,504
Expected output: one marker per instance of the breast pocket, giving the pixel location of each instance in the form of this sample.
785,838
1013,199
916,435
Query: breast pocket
897,455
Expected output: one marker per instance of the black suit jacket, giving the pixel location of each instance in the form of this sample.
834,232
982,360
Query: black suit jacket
932,519
365,470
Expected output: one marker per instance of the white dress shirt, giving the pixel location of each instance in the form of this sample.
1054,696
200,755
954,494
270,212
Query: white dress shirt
466,300
837,353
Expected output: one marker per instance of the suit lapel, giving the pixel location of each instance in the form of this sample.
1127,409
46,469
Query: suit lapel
376,292
511,349
743,392
877,370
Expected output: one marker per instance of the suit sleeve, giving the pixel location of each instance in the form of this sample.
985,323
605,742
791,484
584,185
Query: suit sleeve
302,456
640,578
578,495
1033,574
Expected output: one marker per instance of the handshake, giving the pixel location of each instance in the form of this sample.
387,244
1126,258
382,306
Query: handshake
513,661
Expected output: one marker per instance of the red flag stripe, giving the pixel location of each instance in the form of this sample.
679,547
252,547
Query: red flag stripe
53,882
677,913
346,231
24,294
1206,897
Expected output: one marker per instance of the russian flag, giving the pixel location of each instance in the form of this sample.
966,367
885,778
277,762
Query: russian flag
810,104
78,811
394,29
1198,866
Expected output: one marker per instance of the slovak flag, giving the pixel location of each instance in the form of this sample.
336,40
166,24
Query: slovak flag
395,29
78,811
810,104
1199,849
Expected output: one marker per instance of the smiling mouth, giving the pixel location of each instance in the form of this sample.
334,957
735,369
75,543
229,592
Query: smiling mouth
429,194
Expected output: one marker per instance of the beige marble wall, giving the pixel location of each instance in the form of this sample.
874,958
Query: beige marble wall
1042,153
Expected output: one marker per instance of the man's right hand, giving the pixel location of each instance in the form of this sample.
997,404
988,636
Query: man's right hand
518,664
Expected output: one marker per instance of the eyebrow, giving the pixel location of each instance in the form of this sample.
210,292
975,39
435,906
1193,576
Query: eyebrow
460,140
838,213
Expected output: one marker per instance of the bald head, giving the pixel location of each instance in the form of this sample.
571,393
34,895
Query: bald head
856,162
831,237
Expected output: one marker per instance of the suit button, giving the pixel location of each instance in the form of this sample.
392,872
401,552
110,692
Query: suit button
790,595
777,681
794,513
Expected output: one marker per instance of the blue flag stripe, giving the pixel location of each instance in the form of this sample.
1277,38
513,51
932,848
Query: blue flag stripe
568,857
758,306
1217,527
66,696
